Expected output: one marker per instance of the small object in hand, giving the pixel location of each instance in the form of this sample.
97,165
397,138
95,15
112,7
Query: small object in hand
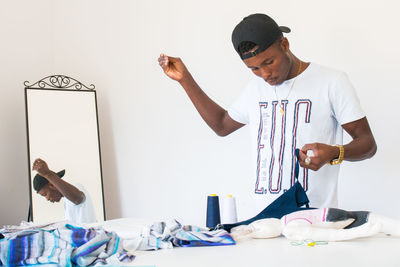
307,161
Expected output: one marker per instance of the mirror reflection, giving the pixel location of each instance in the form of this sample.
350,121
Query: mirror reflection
78,206
63,151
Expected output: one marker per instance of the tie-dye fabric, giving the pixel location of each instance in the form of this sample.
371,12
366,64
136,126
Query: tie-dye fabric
69,245
66,245
172,234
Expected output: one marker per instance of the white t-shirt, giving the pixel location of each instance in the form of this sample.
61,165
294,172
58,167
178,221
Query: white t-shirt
320,101
81,213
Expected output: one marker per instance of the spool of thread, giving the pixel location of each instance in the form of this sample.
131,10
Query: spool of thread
229,214
213,215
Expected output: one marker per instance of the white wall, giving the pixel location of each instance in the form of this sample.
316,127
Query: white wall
160,160
26,53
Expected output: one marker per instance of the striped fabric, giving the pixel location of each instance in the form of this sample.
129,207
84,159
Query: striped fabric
172,234
69,245
66,245
202,238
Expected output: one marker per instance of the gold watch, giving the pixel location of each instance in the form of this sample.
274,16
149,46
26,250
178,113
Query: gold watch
340,158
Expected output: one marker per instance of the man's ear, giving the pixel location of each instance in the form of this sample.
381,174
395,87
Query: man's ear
284,44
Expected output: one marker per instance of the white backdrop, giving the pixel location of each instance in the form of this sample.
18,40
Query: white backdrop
160,159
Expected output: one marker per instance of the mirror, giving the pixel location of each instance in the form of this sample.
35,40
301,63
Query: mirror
62,129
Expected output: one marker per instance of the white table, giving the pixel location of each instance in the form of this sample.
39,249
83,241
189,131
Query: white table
376,251
379,251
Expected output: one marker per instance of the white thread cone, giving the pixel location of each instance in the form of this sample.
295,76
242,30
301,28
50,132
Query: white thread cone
229,214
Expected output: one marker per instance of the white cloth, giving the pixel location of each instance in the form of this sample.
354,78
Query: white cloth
320,101
81,213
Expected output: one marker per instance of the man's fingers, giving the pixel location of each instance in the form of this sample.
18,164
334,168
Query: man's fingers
302,155
163,60
38,163
307,147
310,166
302,164
305,161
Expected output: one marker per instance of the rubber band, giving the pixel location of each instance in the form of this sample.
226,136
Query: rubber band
308,242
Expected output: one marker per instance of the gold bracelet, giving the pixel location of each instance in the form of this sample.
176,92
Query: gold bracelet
340,158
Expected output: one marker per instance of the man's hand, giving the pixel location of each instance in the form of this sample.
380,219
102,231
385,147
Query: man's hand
322,154
215,116
362,146
41,167
173,67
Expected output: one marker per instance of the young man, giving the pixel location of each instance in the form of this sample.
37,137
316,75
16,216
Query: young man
78,206
289,104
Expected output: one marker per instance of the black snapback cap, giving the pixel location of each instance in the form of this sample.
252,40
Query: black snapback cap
259,29
39,181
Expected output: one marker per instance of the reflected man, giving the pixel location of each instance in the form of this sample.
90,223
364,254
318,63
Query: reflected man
78,206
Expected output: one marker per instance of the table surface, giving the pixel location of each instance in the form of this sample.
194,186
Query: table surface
379,250
373,251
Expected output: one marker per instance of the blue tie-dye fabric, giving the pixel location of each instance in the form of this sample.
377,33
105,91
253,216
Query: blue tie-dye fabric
67,245
172,234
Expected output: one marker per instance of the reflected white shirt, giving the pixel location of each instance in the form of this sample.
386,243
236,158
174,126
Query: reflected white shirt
81,213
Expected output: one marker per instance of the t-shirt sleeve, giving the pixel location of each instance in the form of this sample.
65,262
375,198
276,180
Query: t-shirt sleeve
239,110
344,100
81,188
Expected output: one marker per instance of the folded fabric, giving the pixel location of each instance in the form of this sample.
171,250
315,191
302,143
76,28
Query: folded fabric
290,201
202,238
171,234
9,229
66,245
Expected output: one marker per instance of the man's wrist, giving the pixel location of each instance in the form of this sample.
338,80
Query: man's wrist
48,174
187,80
339,156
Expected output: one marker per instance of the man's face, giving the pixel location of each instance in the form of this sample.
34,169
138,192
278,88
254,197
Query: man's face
50,193
273,64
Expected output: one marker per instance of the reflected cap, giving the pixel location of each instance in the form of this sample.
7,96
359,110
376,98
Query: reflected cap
259,29
39,181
